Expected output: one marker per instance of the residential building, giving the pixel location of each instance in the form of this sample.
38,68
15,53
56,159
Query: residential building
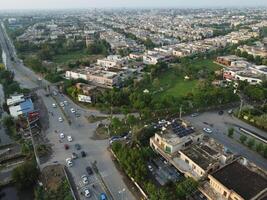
239,180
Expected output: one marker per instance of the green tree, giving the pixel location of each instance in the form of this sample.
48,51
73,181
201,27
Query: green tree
230,132
259,147
243,138
251,143
25,175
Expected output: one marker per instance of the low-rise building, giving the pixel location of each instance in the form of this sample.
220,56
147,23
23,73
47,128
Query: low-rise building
239,180
19,105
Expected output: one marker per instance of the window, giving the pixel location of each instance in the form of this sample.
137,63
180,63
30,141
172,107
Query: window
186,161
224,193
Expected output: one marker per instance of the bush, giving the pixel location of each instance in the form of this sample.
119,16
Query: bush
243,139
231,132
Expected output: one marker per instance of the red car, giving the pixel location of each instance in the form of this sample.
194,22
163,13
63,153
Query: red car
66,146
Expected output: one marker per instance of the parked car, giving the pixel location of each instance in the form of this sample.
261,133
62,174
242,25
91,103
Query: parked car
69,138
77,114
69,162
61,136
77,146
103,196
65,102
220,112
85,179
207,130
89,170
60,119
150,168
66,146
54,105
83,154
230,111
72,110
194,114
87,193
74,155
61,104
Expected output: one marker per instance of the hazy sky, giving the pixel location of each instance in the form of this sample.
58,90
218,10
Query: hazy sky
50,4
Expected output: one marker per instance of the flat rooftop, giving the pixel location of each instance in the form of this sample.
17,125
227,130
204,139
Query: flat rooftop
240,179
202,155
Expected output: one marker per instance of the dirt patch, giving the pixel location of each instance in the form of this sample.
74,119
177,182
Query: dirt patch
93,119
52,176
101,133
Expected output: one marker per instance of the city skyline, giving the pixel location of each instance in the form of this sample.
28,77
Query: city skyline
68,4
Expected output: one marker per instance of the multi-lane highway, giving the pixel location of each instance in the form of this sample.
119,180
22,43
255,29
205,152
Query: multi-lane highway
79,129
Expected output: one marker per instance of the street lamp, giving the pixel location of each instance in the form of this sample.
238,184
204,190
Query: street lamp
121,193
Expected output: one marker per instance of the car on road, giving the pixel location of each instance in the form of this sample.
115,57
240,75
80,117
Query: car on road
61,135
66,146
65,103
77,114
62,104
194,114
103,196
69,162
89,170
207,130
54,93
87,193
83,154
85,179
220,112
54,105
72,110
69,138
60,119
77,146
74,155
230,111
150,168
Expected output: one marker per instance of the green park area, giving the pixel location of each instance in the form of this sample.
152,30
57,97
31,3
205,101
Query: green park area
172,82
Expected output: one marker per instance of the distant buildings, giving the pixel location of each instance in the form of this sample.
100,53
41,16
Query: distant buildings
238,69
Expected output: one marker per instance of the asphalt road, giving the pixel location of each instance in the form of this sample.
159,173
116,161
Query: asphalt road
220,124
80,129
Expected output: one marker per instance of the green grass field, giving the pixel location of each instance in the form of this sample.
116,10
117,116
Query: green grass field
175,85
62,58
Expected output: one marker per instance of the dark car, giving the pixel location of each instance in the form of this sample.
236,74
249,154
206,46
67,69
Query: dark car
77,114
220,112
89,170
66,146
83,153
77,146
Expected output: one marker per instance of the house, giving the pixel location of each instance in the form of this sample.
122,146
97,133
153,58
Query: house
238,180
227,60
21,108
173,137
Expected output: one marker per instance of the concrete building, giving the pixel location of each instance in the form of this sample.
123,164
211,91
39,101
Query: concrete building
22,108
239,180
174,137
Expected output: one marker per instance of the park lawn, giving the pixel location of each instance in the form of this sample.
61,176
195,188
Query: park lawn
175,85
207,63
74,55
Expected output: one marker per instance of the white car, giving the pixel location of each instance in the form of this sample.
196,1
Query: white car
69,162
61,104
69,138
150,168
72,110
85,179
207,130
87,193
60,119
61,136
54,105
65,102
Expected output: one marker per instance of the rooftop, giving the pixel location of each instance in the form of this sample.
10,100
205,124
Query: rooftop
202,155
236,177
